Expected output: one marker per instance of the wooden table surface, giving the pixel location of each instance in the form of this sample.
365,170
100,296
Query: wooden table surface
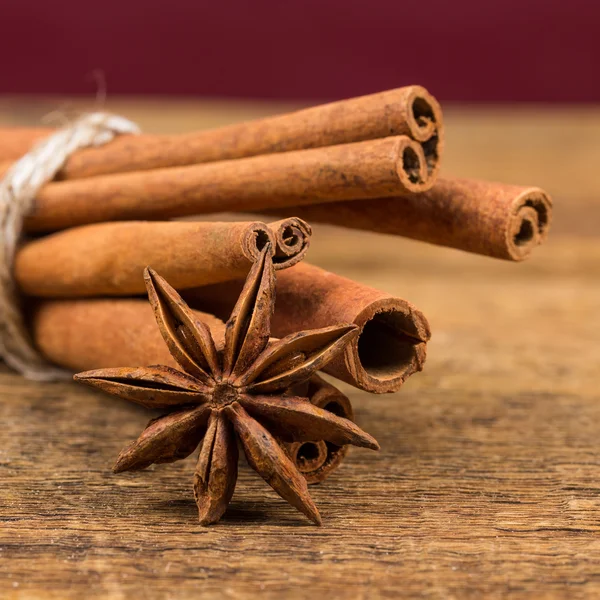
487,484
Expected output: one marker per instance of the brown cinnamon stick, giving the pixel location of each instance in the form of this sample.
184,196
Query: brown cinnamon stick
16,141
110,258
494,219
410,111
100,333
318,460
394,333
384,167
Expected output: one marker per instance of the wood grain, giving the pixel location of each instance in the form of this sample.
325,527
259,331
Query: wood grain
487,482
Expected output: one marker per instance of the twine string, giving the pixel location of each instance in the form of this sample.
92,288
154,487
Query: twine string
18,189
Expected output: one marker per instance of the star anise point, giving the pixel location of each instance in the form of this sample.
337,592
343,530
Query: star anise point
237,393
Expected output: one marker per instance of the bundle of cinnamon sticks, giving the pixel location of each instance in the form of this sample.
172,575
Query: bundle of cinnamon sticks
365,163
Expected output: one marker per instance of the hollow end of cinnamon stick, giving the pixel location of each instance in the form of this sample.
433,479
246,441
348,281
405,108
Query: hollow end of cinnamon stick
425,122
254,240
309,457
412,166
528,224
390,348
423,113
318,460
292,240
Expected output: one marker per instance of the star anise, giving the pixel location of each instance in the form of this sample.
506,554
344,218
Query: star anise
239,391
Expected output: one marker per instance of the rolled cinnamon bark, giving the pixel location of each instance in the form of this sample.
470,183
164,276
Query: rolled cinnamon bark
394,333
108,259
16,141
317,460
410,111
374,168
494,219
100,333
292,240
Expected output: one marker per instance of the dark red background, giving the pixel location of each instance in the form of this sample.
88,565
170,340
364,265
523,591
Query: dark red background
463,50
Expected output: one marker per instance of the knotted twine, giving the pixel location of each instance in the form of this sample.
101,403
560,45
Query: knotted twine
18,190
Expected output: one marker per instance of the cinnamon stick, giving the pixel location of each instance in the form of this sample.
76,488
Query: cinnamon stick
16,141
318,460
100,333
410,111
394,333
384,167
493,219
110,258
